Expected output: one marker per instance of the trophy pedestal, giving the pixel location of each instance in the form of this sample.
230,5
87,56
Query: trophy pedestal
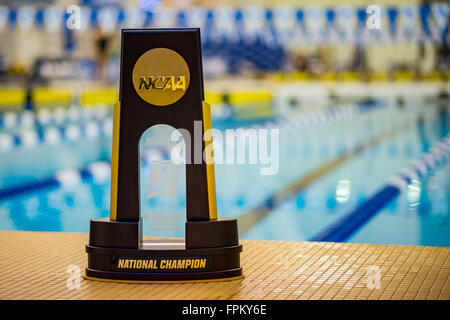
211,251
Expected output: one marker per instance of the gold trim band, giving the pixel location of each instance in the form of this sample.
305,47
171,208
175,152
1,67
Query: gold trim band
163,282
210,178
115,162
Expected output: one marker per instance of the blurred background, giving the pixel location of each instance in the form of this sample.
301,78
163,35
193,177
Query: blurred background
358,90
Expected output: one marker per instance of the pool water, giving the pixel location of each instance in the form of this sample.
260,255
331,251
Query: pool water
327,167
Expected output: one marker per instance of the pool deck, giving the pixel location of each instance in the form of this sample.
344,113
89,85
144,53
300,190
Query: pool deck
34,265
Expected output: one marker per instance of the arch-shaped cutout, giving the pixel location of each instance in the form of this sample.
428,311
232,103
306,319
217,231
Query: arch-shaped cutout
162,183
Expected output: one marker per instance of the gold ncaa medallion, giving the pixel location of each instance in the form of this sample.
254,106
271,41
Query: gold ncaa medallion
161,76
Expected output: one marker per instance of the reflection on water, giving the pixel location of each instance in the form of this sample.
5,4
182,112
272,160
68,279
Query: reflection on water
343,190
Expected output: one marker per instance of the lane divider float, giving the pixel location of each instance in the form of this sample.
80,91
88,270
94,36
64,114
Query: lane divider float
99,171
347,225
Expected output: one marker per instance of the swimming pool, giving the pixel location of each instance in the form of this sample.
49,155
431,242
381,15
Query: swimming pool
331,161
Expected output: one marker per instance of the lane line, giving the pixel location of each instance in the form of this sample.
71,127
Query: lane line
347,225
252,217
99,170
55,134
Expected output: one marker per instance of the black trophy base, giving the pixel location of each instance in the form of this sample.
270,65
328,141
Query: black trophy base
114,255
163,264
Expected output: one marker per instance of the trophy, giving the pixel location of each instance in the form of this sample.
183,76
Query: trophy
156,143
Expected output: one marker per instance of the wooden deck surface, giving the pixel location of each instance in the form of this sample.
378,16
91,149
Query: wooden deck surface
35,265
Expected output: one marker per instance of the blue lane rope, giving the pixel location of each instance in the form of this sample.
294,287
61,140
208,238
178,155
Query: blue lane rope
45,118
63,177
52,134
13,191
94,127
324,117
99,169
347,225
